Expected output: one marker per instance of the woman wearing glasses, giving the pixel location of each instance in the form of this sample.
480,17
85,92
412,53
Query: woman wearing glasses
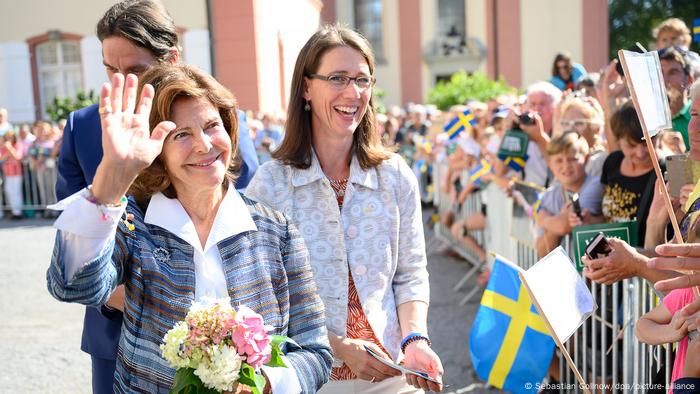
358,208
584,115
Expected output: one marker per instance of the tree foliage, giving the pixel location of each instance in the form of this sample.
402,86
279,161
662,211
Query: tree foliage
462,87
633,20
61,107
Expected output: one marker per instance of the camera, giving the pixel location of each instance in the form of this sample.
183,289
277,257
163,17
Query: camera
526,119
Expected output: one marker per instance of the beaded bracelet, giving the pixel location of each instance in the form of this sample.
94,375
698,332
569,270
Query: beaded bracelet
413,337
126,217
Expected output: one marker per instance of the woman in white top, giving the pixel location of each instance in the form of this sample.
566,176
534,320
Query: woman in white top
358,208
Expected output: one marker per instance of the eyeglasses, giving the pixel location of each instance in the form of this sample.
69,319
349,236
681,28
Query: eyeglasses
340,81
577,124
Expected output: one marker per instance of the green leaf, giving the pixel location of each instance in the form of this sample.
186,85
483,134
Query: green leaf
247,375
185,381
276,357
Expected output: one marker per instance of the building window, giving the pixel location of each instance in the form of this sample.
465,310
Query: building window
368,21
452,27
58,69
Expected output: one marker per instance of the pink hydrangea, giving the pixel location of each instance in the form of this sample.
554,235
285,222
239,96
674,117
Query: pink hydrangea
251,338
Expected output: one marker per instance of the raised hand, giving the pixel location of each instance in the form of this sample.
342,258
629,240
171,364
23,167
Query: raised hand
129,145
126,138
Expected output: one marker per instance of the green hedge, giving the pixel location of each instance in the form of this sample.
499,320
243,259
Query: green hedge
462,87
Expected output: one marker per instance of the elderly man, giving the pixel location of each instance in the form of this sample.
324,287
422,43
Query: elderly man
542,98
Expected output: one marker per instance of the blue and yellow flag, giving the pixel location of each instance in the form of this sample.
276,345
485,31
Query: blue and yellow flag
422,165
476,174
696,29
514,162
509,343
537,206
463,121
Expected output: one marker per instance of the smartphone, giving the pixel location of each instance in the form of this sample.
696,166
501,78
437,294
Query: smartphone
680,171
598,247
576,205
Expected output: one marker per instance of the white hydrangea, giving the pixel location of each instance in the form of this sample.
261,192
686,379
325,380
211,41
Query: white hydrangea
172,341
223,370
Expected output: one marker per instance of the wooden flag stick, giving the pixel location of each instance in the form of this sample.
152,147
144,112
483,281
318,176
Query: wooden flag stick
655,162
652,152
561,347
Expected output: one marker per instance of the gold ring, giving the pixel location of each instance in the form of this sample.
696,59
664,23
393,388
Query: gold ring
105,110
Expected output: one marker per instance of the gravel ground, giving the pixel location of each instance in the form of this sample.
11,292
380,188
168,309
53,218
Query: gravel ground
41,336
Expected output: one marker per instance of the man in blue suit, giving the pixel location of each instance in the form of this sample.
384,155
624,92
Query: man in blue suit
135,34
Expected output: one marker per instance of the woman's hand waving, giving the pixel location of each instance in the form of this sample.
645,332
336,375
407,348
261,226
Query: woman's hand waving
127,142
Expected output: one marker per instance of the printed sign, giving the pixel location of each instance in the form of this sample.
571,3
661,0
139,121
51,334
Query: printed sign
582,235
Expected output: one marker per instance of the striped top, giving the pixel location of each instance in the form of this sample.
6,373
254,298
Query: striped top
267,270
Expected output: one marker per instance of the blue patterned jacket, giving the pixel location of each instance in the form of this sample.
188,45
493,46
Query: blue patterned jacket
267,270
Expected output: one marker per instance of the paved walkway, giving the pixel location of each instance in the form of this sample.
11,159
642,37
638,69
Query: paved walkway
40,337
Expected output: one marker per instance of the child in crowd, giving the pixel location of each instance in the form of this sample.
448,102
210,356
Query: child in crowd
665,324
566,156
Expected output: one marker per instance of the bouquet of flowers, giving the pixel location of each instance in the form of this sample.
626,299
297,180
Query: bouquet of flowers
217,347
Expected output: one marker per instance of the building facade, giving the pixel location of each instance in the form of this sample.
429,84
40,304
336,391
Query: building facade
49,48
419,42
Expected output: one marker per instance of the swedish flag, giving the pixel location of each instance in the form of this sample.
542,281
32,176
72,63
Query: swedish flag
514,162
537,206
509,343
696,29
463,121
476,174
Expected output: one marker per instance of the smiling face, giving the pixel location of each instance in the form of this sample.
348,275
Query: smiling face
197,153
336,112
636,152
568,167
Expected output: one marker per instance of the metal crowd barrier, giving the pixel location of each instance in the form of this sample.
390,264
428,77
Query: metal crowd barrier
605,349
38,189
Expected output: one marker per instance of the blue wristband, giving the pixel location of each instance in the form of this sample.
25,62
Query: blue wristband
414,336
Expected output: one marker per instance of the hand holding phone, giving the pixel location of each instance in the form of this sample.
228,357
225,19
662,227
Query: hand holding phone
576,205
598,247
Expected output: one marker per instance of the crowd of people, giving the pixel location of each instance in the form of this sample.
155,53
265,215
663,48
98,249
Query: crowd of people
28,155
586,152
327,239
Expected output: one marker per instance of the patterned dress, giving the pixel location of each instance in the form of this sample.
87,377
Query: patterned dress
358,326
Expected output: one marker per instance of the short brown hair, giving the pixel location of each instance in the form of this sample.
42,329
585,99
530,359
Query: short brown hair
674,26
146,23
295,149
624,123
172,82
569,141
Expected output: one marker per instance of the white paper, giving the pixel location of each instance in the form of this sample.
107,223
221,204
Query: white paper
644,73
561,293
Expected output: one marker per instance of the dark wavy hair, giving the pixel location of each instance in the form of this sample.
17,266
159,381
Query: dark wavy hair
146,23
295,149
172,82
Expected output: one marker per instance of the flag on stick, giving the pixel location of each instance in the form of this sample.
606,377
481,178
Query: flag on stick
509,344
463,121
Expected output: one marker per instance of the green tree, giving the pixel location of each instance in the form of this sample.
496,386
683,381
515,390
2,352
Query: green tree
633,20
462,87
61,107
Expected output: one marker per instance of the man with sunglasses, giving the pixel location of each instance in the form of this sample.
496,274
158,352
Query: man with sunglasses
677,71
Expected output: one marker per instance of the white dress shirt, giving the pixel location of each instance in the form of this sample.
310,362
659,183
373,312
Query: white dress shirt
84,235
